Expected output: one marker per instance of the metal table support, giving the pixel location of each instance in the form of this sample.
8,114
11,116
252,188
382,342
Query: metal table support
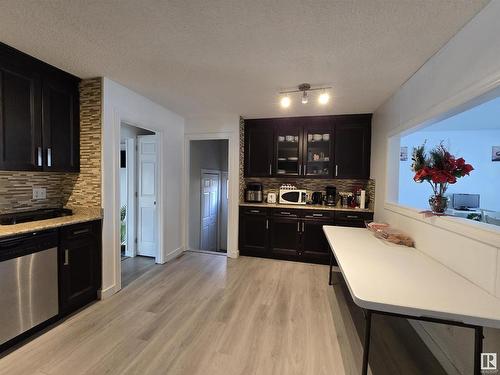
478,337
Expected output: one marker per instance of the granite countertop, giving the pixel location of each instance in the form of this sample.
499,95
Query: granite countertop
303,207
80,215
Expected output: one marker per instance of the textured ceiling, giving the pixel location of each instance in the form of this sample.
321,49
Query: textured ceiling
204,57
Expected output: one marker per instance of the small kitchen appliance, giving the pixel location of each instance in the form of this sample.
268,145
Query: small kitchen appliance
271,198
317,197
289,194
331,196
254,192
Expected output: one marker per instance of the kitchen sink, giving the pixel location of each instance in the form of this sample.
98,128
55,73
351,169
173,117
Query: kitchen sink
27,216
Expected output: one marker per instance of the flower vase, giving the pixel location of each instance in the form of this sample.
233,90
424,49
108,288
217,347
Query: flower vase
438,203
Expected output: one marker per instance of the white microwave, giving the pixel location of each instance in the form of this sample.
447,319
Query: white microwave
292,196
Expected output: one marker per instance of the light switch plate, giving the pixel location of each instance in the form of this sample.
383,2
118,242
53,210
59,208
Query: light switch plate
39,193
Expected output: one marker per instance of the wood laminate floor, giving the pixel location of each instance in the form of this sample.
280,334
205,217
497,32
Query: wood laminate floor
206,314
135,267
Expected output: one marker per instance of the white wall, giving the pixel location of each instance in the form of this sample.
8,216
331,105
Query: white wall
210,154
224,126
123,105
466,67
474,146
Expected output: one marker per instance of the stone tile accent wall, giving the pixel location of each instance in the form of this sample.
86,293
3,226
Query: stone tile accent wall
273,184
84,189
64,189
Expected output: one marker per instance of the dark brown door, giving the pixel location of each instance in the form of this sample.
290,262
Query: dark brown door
259,142
20,116
254,235
285,237
352,148
61,125
315,247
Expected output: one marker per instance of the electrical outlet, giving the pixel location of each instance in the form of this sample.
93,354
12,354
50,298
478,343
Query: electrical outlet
39,193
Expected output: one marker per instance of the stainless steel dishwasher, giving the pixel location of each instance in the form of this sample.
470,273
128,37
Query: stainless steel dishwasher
28,282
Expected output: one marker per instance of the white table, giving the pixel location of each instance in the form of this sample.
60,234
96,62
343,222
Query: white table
396,280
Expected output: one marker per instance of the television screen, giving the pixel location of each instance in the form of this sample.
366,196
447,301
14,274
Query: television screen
465,201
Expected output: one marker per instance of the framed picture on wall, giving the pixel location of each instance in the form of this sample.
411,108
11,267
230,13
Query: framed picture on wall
495,153
403,153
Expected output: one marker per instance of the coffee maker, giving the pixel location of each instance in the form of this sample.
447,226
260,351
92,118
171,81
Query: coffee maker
331,196
254,192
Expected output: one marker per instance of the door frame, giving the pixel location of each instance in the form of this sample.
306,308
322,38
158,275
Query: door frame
159,258
219,173
130,156
233,139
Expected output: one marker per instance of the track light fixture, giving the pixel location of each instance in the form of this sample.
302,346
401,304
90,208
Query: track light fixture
305,88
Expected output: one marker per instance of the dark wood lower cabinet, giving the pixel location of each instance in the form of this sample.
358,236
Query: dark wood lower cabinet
285,237
79,265
292,235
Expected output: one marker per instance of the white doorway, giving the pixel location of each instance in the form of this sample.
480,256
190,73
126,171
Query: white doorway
138,197
208,195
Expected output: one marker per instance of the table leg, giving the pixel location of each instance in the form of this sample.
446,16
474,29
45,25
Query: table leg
366,347
331,269
478,349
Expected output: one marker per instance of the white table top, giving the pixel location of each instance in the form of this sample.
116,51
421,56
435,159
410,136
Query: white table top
403,280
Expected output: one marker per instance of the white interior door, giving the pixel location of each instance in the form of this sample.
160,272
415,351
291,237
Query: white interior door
147,239
210,183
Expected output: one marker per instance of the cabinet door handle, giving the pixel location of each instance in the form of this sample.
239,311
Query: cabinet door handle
49,157
303,227
66,257
300,169
39,161
336,170
270,169
81,231
267,224
254,211
298,226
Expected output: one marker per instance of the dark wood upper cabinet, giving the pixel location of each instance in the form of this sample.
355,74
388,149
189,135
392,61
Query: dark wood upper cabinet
309,147
61,125
352,146
39,115
20,116
259,148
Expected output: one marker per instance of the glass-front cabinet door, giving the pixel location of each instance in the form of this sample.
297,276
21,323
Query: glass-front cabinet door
288,148
318,147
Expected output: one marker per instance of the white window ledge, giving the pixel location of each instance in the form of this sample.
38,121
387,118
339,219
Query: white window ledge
486,233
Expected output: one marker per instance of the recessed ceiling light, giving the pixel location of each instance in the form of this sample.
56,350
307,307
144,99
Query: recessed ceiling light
285,102
324,98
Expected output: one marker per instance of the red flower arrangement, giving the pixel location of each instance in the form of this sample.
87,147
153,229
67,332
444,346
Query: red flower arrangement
440,169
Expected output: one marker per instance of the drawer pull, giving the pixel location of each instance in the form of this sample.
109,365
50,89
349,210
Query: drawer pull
81,231
352,217
284,213
255,211
318,215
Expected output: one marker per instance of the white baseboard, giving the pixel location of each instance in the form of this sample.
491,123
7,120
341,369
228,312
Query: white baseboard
233,254
173,254
106,293
435,349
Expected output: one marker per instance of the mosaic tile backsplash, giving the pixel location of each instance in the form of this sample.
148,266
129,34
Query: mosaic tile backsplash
64,189
273,184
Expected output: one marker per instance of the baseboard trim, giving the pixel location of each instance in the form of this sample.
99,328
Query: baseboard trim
173,254
233,254
435,349
106,293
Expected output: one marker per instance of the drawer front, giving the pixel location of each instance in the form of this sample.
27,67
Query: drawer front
77,231
317,214
353,216
286,213
253,211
